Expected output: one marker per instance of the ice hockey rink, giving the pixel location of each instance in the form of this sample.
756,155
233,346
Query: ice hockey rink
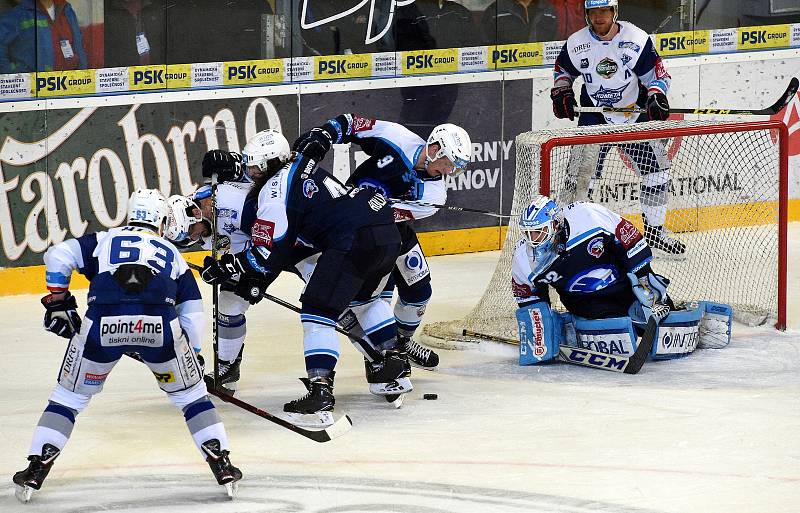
714,432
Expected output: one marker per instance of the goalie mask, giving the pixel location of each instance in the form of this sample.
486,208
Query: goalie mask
147,208
454,144
541,224
267,151
598,4
183,213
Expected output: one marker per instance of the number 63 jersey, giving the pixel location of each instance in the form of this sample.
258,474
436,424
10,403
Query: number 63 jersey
597,250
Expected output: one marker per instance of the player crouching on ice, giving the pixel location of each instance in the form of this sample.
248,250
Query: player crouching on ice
143,300
599,264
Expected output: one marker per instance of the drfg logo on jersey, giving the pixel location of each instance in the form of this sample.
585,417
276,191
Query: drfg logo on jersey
134,330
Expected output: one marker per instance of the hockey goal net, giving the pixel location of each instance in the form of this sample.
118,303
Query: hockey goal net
727,204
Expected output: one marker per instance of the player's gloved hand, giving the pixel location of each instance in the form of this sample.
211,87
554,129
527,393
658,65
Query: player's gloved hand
313,144
201,361
61,316
657,106
215,272
227,165
563,102
651,291
251,288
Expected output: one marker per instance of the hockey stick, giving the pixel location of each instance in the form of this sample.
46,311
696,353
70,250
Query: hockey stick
215,288
773,109
451,207
338,428
588,358
368,350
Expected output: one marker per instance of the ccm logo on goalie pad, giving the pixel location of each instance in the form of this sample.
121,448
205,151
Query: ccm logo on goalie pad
134,330
262,233
590,359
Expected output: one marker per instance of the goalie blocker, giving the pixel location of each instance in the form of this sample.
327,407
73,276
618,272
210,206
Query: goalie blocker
543,333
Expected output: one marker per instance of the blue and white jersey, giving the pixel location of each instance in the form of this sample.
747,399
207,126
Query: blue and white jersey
612,70
236,215
173,289
597,251
393,152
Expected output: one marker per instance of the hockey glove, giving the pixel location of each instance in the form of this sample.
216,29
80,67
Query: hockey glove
215,272
61,316
563,102
251,289
314,144
657,106
227,165
651,291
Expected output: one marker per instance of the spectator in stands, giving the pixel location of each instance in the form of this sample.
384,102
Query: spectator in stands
130,28
519,21
570,17
450,24
41,35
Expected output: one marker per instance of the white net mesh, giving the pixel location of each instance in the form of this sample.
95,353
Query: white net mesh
718,193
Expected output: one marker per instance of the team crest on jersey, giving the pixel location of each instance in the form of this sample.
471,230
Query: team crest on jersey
309,188
231,213
625,58
629,45
627,234
608,97
262,233
607,68
362,124
584,63
596,247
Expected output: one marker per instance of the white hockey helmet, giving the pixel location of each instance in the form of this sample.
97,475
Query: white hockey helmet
147,207
262,150
454,143
183,213
596,4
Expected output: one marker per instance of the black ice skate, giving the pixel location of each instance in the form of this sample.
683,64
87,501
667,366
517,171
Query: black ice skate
315,408
229,373
389,377
226,474
660,239
418,355
31,478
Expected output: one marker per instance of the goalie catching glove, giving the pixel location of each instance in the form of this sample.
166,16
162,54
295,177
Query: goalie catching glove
228,166
61,316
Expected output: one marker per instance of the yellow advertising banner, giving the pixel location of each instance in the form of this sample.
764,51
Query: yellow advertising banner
682,43
268,71
773,36
516,56
64,83
420,62
343,66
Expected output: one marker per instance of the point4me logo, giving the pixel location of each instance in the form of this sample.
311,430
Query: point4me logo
377,26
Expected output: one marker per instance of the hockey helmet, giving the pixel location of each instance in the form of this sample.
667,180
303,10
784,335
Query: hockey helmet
267,151
541,224
454,143
183,213
596,4
147,207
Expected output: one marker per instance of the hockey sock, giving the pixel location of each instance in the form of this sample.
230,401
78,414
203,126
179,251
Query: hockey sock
320,342
54,427
232,330
378,322
204,423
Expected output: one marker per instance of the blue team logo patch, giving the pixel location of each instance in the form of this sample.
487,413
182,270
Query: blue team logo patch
309,188
593,280
596,247
625,58
230,213
629,45
608,97
375,185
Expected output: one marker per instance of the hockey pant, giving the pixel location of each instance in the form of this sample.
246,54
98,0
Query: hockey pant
348,279
412,278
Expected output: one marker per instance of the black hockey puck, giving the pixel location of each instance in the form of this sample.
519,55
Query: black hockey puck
430,397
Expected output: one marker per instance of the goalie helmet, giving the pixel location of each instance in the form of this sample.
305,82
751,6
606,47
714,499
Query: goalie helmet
454,143
596,4
541,223
147,207
268,150
183,213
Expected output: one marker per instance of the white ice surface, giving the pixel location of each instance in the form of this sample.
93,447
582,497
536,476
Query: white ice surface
715,432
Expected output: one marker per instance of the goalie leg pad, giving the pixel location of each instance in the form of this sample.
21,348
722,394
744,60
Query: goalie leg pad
715,325
678,334
540,333
614,336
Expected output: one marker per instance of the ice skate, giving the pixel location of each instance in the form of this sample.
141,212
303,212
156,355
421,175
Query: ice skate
226,474
418,355
663,243
389,377
229,373
31,478
315,409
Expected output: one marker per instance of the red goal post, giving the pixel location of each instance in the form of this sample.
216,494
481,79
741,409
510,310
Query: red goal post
728,203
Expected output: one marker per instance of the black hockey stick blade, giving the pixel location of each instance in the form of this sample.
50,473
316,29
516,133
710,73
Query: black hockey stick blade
338,428
452,207
493,338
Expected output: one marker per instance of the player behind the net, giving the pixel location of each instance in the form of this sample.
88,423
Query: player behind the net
620,68
599,264
353,231
400,165
144,301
